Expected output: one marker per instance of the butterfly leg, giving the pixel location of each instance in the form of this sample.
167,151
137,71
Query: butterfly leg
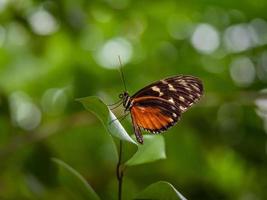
115,105
137,132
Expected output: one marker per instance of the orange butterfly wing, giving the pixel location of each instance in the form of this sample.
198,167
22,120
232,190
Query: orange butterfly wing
153,114
150,118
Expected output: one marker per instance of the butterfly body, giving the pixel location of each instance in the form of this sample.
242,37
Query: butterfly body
159,106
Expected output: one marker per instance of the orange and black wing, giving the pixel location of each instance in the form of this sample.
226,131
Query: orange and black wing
159,105
153,114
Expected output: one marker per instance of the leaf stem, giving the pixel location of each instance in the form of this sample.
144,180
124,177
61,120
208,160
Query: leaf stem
120,172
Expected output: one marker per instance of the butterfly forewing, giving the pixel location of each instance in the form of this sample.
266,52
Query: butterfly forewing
183,91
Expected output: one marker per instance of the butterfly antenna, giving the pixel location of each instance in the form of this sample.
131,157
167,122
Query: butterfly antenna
121,73
114,104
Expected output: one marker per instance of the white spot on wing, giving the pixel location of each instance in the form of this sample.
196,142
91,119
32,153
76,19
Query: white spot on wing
171,100
188,89
182,108
181,98
171,88
183,82
157,89
174,115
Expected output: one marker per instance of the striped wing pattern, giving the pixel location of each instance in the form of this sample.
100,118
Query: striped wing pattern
184,91
159,105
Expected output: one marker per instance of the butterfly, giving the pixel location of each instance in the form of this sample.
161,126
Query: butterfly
159,106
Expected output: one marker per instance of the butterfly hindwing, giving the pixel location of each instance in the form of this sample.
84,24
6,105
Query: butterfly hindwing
154,114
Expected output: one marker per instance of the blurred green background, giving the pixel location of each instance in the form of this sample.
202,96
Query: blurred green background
52,52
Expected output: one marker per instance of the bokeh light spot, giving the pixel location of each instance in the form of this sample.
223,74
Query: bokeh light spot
237,38
261,110
42,22
205,38
3,5
17,35
24,113
242,71
54,101
107,56
260,28
262,104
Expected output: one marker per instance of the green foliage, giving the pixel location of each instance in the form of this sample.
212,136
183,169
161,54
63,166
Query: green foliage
38,164
160,191
53,52
74,182
153,149
95,105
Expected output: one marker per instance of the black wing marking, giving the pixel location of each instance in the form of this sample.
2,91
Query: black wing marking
181,90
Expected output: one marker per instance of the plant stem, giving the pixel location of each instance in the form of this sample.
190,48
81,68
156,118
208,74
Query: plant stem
120,172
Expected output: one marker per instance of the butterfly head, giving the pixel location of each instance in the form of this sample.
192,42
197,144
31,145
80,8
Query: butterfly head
125,99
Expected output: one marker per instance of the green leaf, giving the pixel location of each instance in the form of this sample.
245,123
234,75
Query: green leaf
161,190
70,178
114,127
153,149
